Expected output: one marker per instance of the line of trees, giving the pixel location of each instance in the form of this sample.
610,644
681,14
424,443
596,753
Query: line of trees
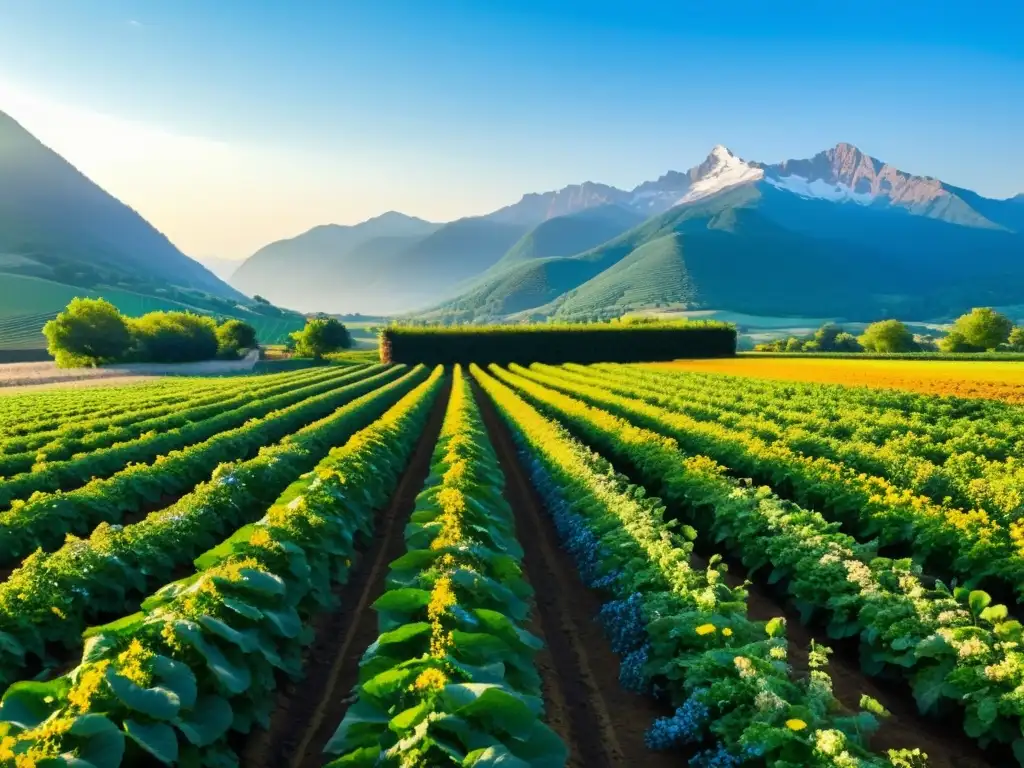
93,332
980,330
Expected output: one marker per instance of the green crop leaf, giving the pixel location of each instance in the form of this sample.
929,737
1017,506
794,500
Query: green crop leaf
157,739
157,703
101,742
208,721
978,601
27,704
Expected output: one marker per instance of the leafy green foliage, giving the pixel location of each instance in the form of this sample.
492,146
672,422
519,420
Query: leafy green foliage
887,336
321,336
174,337
233,336
557,342
982,328
89,332
200,659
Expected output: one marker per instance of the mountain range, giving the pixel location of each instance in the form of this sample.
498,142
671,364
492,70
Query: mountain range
837,234
57,224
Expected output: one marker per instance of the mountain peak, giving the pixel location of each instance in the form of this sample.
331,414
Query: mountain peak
721,170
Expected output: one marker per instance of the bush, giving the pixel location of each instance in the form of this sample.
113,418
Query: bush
955,341
793,344
556,343
89,332
846,342
233,336
888,336
174,337
983,328
1016,339
321,336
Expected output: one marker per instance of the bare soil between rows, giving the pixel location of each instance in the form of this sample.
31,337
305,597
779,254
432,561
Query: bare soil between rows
309,711
601,723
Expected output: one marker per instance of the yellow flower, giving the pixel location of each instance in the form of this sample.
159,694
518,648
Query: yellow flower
134,663
58,612
706,629
727,632
261,538
430,680
88,686
795,724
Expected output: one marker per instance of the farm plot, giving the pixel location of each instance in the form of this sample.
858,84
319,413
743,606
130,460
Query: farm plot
604,565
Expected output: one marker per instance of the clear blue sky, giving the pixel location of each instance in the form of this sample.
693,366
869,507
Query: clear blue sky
443,108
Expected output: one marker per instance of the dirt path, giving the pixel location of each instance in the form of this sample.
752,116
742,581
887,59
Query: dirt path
16,378
600,722
308,712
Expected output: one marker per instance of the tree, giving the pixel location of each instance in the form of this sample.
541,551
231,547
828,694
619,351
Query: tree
846,342
89,332
793,344
259,299
1016,339
826,337
983,327
174,337
887,336
233,336
321,336
955,341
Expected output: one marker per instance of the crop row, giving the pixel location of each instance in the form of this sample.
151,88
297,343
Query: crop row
935,431
955,473
679,628
46,461
169,683
50,598
46,518
450,680
954,648
968,546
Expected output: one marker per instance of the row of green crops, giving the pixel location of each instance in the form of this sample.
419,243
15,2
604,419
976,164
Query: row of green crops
168,684
556,343
450,680
680,630
64,462
954,471
50,598
45,518
947,542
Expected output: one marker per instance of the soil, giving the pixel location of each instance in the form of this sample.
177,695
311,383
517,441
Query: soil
309,711
601,723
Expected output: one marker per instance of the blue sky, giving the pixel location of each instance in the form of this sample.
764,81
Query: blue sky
230,124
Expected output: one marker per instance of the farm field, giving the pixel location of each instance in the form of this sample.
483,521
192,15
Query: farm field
544,565
988,379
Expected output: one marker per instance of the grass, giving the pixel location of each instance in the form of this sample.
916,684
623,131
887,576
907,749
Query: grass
963,378
26,303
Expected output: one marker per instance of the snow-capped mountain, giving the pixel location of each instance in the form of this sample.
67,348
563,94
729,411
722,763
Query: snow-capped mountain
536,207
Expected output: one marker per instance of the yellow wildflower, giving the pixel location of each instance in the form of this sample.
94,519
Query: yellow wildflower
88,686
58,612
727,632
796,724
706,629
261,538
430,680
133,663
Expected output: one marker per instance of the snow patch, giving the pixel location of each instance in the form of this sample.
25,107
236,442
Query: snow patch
820,189
726,171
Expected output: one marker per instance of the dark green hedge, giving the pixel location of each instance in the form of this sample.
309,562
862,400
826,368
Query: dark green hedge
579,343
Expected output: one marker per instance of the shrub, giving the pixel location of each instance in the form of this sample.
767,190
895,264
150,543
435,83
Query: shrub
174,337
846,342
955,341
233,336
89,332
556,343
888,336
321,336
982,328
1016,339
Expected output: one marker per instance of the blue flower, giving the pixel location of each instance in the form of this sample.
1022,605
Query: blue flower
686,726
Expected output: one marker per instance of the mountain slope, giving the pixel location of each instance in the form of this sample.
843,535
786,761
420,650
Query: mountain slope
535,208
57,224
392,263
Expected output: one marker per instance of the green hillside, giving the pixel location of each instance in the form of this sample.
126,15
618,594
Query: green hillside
26,303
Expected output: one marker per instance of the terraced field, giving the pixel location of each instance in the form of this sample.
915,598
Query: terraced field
606,565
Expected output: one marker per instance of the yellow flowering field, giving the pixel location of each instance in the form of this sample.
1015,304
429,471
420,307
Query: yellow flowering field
994,380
